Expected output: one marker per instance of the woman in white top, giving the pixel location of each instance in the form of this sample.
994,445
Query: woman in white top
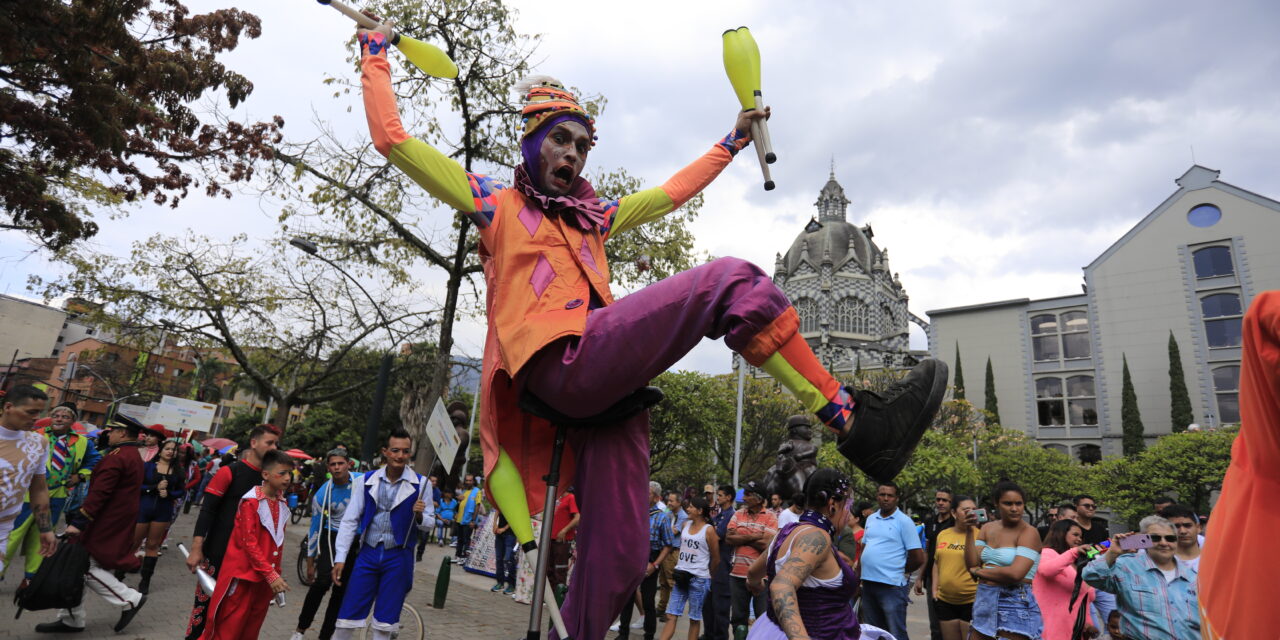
699,554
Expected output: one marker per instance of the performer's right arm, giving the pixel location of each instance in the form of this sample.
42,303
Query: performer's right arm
350,522
446,180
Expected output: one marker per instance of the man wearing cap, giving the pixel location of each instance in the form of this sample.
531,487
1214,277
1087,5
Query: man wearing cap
218,515
71,457
104,525
556,332
750,531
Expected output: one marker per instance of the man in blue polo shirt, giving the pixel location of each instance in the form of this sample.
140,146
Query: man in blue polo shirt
892,550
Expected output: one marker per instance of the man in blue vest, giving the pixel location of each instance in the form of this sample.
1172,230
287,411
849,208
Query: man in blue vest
383,518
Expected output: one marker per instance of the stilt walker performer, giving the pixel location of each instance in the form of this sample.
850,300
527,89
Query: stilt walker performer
388,509
556,332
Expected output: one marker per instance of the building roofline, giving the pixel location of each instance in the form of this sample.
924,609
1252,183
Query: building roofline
33,303
976,307
1187,183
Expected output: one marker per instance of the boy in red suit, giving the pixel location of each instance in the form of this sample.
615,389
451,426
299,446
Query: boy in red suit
249,576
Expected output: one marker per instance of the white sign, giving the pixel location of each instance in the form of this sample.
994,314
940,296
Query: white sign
443,435
179,413
135,411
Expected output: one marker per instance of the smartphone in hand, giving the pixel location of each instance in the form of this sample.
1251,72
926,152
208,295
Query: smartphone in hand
982,516
1135,542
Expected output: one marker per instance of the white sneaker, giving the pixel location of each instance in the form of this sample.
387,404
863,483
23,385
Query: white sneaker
638,624
297,635
617,626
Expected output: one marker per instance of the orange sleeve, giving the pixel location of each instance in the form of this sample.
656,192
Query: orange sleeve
380,103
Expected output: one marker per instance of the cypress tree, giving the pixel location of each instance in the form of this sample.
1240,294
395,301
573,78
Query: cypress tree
1180,400
992,406
1130,417
959,377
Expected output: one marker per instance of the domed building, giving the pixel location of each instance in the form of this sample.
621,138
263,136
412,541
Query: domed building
853,309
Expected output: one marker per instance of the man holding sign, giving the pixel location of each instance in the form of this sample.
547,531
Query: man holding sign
556,333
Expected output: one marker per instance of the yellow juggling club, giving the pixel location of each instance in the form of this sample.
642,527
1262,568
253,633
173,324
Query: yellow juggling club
427,57
742,65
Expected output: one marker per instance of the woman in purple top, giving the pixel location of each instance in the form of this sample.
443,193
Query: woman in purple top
810,585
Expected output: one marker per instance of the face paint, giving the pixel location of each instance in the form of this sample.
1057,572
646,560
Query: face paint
555,154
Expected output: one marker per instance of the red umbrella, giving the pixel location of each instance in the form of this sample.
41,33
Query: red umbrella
298,453
215,444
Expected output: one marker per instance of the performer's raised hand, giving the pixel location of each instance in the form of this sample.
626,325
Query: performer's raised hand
279,585
743,124
387,29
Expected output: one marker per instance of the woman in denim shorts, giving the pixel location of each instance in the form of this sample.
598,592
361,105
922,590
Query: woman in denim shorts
699,553
1003,559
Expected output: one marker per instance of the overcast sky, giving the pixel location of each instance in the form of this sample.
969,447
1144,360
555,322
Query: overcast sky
995,147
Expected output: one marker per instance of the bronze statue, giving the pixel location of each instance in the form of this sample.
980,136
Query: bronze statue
797,459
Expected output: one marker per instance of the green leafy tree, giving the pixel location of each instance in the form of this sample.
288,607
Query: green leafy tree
1191,464
1180,401
992,405
958,380
96,110
1130,416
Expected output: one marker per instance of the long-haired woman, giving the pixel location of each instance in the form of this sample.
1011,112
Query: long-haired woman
1003,556
1056,579
953,588
162,482
699,554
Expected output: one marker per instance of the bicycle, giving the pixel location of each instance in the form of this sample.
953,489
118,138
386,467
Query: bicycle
411,627
302,564
299,504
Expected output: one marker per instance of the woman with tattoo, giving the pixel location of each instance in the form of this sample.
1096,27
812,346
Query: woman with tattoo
699,555
1003,558
810,585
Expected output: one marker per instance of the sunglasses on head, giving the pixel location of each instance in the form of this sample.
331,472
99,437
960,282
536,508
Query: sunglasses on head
1155,538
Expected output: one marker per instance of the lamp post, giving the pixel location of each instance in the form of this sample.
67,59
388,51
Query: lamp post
384,369
741,366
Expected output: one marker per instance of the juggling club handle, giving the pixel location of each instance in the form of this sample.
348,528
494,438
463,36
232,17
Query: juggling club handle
757,136
769,156
360,18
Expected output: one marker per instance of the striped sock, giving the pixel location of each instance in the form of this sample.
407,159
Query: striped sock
798,369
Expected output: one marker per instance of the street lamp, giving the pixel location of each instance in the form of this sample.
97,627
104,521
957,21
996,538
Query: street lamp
384,369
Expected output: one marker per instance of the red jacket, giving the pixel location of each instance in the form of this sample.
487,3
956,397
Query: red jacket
111,508
254,551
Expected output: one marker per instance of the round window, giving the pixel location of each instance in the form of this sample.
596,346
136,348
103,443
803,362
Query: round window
1204,215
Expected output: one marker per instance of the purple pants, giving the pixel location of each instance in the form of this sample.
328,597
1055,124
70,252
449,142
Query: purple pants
624,346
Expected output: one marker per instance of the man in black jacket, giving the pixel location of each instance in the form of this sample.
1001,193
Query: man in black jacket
218,514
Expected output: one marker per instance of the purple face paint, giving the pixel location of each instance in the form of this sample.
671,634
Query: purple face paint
531,146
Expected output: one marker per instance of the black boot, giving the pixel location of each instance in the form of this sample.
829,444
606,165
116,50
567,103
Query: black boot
887,426
148,568
127,615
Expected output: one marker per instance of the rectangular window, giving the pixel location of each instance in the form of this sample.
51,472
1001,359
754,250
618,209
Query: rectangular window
1083,412
1075,345
1045,348
1051,414
1223,333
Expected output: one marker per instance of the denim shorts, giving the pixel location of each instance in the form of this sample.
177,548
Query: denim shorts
694,595
1009,608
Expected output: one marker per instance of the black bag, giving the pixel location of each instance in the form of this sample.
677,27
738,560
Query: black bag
59,583
682,578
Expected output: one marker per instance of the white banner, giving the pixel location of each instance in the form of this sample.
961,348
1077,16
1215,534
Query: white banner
180,413
135,411
443,435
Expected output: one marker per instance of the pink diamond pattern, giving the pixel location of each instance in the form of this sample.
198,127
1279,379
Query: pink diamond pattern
543,274
530,218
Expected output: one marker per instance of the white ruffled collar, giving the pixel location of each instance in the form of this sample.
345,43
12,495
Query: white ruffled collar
274,526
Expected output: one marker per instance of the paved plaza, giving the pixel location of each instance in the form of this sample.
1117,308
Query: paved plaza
471,611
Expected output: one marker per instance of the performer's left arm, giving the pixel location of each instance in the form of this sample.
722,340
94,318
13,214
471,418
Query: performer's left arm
246,533
650,204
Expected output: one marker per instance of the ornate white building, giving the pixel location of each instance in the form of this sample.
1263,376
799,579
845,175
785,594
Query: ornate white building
853,309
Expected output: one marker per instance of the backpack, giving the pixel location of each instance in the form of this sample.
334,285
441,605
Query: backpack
59,583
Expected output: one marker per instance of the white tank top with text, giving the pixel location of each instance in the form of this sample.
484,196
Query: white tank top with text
695,554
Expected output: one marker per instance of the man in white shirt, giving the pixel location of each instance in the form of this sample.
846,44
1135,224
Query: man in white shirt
1187,527
791,513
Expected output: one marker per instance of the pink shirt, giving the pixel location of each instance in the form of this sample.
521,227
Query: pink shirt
1052,587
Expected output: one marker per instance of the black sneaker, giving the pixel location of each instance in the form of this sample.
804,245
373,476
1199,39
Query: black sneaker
127,615
887,426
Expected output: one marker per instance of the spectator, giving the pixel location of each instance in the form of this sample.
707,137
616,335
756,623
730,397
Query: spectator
1113,626
849,539
715,611
699,554
891,551
750,531
1156,594
1161,503
792,512
940,519
504,555
71,457
250,574
162,484
218,514
328,505
104,526
1050,516
809,584
1064,511
1056,580
951,588
709,492
468,506
775,504
1184,521
565,523
1094,530
666,575
150,439
660,540
1003,557
445,517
